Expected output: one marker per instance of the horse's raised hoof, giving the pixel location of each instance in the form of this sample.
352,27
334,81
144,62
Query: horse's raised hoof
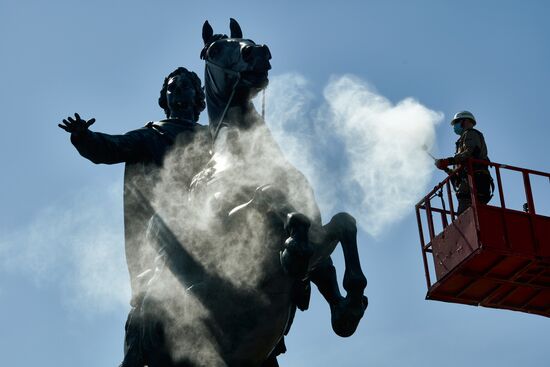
346,314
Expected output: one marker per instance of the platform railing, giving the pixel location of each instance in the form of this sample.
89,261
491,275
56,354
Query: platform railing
446,210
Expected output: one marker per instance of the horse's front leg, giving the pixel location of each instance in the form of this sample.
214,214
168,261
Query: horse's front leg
346,312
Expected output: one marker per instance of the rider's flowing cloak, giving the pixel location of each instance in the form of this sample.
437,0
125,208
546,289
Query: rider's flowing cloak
144,151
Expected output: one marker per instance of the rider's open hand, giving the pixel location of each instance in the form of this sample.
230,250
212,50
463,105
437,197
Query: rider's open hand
76,125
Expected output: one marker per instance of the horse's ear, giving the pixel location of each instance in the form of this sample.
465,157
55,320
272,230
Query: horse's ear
207,32
236,31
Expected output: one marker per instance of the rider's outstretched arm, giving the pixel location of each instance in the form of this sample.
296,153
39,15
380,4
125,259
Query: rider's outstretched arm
105,148
110,149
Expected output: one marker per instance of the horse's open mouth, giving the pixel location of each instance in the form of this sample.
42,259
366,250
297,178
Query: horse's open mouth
255,79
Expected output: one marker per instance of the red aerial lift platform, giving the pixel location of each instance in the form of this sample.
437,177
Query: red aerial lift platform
490,255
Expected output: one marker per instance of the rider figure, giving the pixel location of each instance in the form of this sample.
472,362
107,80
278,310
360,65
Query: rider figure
143,151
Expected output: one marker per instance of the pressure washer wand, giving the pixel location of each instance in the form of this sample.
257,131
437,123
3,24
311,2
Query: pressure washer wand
425,148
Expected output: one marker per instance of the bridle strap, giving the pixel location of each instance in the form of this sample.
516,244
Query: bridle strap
238,74
232,72
226,70
263,104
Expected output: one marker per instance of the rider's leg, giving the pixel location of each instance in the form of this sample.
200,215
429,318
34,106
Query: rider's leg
296,250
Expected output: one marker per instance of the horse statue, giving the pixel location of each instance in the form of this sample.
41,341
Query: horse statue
238,253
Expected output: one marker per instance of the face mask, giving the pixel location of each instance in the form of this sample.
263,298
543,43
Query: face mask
458,129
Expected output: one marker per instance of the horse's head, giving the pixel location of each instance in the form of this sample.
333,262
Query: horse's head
236,70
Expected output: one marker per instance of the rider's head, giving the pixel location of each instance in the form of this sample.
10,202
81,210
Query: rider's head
182,92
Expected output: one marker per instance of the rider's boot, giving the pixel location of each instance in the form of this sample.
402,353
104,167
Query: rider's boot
296,250
295,257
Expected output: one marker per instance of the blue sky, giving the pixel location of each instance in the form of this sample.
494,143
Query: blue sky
61,223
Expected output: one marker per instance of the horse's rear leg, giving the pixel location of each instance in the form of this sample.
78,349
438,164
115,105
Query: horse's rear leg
346,312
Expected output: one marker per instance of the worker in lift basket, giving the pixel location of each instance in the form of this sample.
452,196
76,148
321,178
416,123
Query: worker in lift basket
471,144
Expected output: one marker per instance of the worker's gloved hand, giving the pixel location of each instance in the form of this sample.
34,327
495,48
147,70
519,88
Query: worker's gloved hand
442,163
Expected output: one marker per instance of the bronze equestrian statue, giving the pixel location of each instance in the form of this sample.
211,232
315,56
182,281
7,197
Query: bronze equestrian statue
238,251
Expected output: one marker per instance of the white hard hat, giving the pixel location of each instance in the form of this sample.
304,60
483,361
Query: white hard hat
463,115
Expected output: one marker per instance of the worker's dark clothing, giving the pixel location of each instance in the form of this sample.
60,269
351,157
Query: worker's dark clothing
471,144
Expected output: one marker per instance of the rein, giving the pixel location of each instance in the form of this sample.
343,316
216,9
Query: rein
263,104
